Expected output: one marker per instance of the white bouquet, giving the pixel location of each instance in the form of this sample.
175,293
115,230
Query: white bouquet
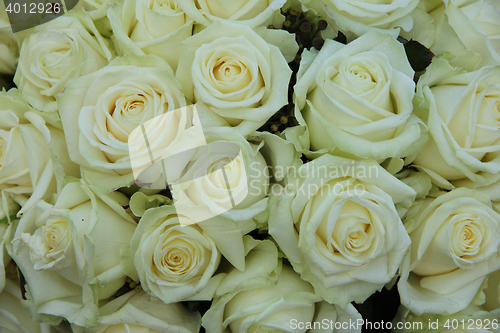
245,166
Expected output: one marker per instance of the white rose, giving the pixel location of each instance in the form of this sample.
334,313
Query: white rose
269,296
476,24
455,245
15,182
64,48
137,313
229,177
247,12
360,17
14,318
26,136
157,27
338,226
357,99
65,253
235,74
100,110
432,29
464,32
178,263
465,134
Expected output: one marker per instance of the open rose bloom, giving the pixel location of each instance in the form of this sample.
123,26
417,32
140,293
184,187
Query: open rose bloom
250,166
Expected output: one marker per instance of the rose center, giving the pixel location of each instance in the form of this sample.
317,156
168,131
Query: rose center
226,173
175,262
56,234
51,63
125,106
357,236
352,234
175,259
48,243
228,70
362,74
130,106
178,257
471,238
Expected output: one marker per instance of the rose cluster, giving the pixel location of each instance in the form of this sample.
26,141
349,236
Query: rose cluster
250,166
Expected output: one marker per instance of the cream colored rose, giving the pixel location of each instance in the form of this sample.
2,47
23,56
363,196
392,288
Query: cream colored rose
432,29
99,112
69,253
226,234
464,32
466,133
357,99
15,182
14,318
338,226
289,305
455,245
360,17
64,48
235,74
223,175
477,24
33,156
247,12
229,177
157,27
178,263
49,243
137,313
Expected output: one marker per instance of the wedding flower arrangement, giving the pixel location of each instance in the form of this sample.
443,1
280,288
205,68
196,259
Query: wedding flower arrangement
232,166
